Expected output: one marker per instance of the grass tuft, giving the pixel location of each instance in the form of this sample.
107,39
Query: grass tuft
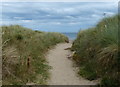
24,54
97,52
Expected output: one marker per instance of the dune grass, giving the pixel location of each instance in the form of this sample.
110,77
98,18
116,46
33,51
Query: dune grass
24,53
96,52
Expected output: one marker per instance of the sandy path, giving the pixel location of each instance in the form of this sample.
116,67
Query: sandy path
62,72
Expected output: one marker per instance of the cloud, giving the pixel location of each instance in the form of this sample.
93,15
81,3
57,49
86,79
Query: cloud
56,16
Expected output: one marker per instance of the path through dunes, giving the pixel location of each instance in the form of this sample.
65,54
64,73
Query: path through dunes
62,72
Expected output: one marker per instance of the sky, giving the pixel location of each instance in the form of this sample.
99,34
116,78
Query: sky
56,16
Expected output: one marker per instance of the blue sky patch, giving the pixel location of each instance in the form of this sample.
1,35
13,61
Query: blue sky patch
56,16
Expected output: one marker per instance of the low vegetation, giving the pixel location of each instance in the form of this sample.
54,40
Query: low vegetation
97,54
24,54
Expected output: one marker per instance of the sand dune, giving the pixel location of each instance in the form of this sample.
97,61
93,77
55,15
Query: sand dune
62,72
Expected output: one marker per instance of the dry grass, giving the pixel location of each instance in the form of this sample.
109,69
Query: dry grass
24,54
96,50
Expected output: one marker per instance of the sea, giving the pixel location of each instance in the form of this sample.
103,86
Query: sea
71,36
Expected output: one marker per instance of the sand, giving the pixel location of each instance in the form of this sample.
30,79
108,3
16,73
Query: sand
63,72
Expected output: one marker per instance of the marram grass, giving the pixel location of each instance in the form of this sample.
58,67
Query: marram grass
97,52
24,53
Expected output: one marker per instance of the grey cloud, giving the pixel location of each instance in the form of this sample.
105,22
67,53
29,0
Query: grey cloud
57,16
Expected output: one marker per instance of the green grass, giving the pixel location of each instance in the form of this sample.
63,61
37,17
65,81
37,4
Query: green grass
96,51
21,44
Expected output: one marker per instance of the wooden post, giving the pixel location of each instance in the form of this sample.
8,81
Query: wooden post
28,66
28,62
